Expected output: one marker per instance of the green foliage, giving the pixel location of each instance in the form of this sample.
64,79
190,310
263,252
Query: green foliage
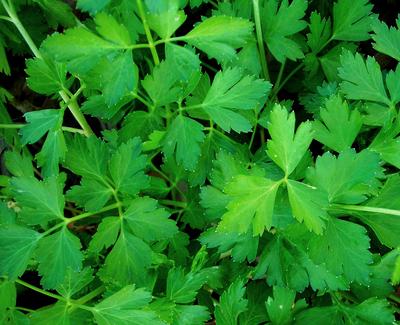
195,162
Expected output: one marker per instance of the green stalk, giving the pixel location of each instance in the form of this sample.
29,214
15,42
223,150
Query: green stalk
72,104
260,40
90,296
43,292
148,32
178,204
19,126
363,208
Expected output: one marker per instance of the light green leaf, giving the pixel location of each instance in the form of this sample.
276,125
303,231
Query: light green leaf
164,16
362,80
75,282
308,205
280,307
287,148
45,78
339,126
16,247
56,253
126,307
190,315
352,20
220,36
184,136
386,227
39,122
60,314
149,222
347,246
387,39
111,30
90,194
252,203
41,201
231,91
53,151
92,6
278,31
106,234
349,178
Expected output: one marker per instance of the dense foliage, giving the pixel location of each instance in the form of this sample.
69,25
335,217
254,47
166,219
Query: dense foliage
191,162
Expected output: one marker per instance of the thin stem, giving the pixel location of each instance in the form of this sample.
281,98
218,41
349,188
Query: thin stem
363,208
288,77
394,298
15,20
43,292
25,309
279,78
76,112
90,296
141,99
178,204
148,32
260,40
11,126
19,126
5,18
253,136
89,214
72,104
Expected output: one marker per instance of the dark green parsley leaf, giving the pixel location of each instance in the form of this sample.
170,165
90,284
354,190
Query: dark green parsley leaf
339,126
182,288
127,166
349,178
128,260
352,20
320,32
126,307
190,315
74,282
106,234
41,201
164,16
45,78
149,222
362,80
60,314
16,247
387,39
308,205
220,36
56,253
278,32
184,136
230,92
231,304
92,6
385,226
344,248
371,311
281,307
39,123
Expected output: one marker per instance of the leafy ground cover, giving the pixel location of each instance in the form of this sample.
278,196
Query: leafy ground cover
199,162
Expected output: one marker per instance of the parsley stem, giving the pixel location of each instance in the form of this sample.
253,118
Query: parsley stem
178,204
260,40
43,292
288,77
90,296
25,309
394,298
364,208
148,32
11,126
89,214
72,104
19,126
279,78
